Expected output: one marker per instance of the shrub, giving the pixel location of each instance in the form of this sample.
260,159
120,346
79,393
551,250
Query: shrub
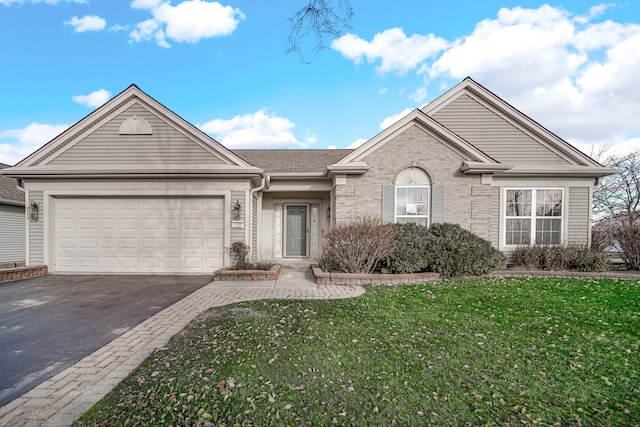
559,257
447,249
239,250
356,245
627,237
410,246
454,251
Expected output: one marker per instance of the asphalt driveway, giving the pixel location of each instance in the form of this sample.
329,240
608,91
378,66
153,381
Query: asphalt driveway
48,323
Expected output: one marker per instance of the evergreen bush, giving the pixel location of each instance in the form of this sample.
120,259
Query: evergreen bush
447,249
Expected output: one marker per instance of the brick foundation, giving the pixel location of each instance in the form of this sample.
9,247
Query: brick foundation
229,274
12,274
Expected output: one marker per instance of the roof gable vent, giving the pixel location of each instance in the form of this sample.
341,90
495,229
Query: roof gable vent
135,126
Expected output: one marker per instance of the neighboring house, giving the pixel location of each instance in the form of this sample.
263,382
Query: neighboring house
12,234
133,187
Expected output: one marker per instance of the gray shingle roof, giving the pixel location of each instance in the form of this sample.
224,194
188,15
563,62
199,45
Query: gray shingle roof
274,161
9,188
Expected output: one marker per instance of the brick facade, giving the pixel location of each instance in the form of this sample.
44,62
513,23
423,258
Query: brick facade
13,274
466,200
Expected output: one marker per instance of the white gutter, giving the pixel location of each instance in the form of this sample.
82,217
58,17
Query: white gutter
266,183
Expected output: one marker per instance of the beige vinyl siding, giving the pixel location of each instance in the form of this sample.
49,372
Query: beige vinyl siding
106,146
12,234
578,220
238,234
36,230
492,134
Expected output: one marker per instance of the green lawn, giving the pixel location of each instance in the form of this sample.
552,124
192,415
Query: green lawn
506,352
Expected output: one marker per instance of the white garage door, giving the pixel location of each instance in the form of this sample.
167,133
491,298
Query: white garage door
139,235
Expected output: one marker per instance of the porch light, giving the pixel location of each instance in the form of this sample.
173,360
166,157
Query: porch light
329,212
236,210
32,211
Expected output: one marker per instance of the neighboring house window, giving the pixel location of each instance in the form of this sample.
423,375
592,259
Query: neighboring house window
533,216
412,196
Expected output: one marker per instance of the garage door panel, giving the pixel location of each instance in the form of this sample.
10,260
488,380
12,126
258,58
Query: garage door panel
155,235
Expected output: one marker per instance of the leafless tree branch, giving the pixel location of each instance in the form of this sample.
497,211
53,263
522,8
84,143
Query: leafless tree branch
320,19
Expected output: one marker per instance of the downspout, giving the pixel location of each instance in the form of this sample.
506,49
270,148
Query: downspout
266,183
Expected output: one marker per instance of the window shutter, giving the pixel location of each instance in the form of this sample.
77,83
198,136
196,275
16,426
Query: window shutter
437,204
388,203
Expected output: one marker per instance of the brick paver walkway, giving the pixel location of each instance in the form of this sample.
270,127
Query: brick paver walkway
60,400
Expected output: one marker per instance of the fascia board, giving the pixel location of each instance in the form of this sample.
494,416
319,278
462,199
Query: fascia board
566,171
113,171
11,202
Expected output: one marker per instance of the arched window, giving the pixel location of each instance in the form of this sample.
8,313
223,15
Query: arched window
412,196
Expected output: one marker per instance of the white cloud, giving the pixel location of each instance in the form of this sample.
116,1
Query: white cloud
357,143
187,22
87,23
392,47
16,144
388,121
575,74
576,77
257,130
419,95
118,27
94,99
382,91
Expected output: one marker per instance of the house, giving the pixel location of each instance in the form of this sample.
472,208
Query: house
12,217
133,187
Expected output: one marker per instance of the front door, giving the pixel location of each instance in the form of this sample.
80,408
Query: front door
296,231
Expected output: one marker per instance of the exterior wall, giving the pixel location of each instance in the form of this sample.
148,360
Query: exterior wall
362,194
105,146
12,234
485,213
579,216
35,229
493,134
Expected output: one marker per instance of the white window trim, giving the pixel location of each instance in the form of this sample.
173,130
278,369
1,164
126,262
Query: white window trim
395,201
533,217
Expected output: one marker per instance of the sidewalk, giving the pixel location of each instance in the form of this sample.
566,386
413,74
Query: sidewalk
60,400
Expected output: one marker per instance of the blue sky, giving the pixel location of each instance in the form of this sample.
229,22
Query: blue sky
573,66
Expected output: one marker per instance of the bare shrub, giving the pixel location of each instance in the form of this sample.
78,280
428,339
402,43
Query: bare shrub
356,245
627,238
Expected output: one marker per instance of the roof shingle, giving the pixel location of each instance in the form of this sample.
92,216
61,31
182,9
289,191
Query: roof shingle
9,188
282,161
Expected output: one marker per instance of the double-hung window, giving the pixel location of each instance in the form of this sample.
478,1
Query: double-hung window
412,196
412,205
533,216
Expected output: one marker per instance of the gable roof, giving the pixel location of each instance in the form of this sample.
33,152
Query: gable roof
211,157
513,116
291,161
476,158
9,192
419,118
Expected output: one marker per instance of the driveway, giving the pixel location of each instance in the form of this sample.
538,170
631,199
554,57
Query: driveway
48,323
